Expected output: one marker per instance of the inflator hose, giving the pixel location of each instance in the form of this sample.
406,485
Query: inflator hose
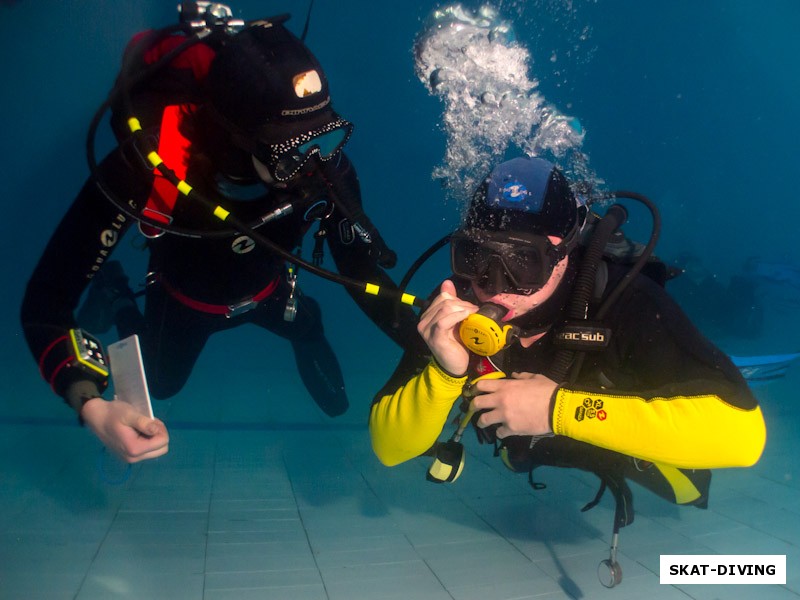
643,258
578,307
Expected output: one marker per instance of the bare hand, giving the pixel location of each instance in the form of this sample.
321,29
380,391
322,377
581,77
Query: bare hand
125,431
519,405
438,327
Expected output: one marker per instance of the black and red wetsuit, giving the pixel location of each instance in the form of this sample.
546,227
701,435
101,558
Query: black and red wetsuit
197,278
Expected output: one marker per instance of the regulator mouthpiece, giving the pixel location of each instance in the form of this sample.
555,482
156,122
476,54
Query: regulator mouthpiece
483,333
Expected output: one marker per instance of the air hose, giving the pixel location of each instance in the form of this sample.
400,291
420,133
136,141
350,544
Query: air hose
565,361
578,308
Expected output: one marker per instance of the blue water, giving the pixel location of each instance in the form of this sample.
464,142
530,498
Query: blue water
692,103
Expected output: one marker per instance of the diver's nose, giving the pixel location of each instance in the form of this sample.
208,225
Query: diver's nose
495,281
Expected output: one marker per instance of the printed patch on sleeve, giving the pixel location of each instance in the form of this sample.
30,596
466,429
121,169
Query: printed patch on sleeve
591,408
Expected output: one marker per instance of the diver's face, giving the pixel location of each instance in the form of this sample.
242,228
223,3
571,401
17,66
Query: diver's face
521,304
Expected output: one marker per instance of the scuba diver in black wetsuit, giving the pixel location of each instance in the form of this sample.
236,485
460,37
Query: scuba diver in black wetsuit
240,112
564,357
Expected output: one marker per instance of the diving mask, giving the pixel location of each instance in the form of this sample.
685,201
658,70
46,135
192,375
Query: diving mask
287,158
524,263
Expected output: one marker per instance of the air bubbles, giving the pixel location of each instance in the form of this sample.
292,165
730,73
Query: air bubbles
473,63
489,98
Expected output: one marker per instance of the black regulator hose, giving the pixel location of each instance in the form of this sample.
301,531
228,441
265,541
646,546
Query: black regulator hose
614,218
647,252
240,226
565,360
412,270
578,307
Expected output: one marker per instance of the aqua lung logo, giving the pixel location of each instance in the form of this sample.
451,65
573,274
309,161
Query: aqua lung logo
514,192
108,238
242,245
591,409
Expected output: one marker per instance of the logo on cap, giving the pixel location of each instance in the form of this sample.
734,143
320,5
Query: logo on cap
514,192
307,83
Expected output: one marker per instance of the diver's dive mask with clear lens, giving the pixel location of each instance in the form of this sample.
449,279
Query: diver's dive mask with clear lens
517,265
286,159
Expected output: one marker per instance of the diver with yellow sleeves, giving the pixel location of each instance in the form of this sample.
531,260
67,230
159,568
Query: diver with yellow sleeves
563,356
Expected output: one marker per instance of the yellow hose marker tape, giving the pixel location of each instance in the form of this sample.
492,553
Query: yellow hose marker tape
408,299
221,213
184,188
373,289
154,159
134,125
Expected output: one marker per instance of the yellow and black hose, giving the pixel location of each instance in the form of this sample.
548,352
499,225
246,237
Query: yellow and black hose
226,216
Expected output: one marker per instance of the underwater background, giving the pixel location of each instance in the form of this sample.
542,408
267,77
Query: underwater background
694,104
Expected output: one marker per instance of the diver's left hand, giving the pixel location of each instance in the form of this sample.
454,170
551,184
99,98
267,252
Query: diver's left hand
519,405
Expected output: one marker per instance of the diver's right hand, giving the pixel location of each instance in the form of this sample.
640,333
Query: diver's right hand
438,326
125,431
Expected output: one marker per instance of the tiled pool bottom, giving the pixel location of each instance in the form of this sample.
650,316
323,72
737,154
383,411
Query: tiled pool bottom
309,513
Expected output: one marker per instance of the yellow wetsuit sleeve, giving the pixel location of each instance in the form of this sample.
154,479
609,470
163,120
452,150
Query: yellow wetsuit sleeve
405,424
690,432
